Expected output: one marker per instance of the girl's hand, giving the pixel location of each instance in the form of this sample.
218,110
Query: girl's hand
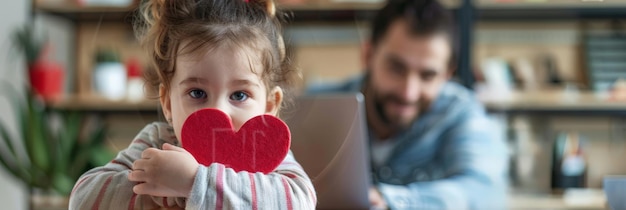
167,173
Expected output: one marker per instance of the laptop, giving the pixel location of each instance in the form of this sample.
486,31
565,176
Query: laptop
329,140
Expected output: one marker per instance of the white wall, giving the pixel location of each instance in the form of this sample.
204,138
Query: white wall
14,14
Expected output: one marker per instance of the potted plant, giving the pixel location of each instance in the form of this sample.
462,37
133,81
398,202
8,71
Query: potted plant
55,156
109,75
45,76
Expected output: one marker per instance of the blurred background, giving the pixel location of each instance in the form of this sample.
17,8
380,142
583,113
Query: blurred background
551,72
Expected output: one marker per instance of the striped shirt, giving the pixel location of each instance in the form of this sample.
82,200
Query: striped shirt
215,186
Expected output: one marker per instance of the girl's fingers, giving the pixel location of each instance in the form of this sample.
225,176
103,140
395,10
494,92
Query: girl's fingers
141,164
149,153
168,146
138,176
154,190
145,189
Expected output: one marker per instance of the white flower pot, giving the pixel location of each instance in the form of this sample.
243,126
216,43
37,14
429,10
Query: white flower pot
110,80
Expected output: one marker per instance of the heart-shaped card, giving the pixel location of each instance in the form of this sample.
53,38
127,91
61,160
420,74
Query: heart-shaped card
260,145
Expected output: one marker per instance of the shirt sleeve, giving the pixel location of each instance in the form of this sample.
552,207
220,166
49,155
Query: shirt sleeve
476,159
108,187
218,187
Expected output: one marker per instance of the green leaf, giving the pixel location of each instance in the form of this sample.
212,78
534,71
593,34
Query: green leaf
17,166
55,159
68,139
39,178
107,55
36,144
26,136
101,156
27,43
14,162
91,153
50,143
80,163
12,97
9,143
60,163
62,183
70,135
13,171
97,137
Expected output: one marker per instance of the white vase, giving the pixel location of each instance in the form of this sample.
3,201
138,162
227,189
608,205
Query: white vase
110,80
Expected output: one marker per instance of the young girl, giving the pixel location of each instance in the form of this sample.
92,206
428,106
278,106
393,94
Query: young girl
223,54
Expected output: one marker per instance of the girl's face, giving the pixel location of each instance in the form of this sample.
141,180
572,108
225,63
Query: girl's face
222,79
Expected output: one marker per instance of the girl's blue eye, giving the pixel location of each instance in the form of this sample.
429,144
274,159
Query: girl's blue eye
239,96
198,94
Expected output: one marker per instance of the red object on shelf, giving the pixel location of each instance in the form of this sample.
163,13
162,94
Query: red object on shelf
133,67
46,79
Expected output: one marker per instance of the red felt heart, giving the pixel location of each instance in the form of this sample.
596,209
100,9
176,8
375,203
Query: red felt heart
260,145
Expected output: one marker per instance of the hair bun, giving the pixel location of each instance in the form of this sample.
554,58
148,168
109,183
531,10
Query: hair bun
270,7
151,11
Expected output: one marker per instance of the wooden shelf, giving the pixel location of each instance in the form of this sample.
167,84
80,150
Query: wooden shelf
549,4
99,104
307,11
76,12
331,6
553,9
74,8
552,101
322,5
543,14
351,10
300,12
342,11
517,101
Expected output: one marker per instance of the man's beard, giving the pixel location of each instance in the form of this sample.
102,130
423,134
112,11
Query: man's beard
397,122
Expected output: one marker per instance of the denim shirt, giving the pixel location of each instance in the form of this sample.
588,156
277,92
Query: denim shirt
451,157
